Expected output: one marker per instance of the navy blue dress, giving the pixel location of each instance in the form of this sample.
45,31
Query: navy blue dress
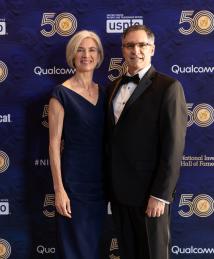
82,173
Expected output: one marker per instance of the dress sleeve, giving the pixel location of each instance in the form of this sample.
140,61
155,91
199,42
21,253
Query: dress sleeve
57,93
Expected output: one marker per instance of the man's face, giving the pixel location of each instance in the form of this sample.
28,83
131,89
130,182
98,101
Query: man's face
137,50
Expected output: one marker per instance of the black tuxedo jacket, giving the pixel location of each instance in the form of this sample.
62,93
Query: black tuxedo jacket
145,147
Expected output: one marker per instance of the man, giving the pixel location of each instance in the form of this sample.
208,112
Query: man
147,120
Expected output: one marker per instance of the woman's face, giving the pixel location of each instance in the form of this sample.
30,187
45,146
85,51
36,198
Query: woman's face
87,56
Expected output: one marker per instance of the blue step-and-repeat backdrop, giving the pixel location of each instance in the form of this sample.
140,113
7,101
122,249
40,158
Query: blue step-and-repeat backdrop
33,36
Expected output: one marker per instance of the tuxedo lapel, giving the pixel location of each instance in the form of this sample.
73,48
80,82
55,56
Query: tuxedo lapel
144,83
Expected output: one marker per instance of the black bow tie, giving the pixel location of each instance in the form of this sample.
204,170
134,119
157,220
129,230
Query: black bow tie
126,79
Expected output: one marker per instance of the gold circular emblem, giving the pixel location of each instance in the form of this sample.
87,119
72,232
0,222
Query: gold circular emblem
1,161
5,249
4,161
2,249
203,205
203,115
3,71
204,22
65,24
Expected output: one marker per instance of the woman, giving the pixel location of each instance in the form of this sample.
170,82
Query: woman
76,114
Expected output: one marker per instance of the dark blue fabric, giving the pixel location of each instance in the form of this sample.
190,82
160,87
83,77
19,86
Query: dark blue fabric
82,174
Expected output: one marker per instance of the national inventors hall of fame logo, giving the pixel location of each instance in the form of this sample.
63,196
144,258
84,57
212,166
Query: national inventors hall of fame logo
5,249
3,71
4,162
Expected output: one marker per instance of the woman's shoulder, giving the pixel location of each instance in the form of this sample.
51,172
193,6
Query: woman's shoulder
57,87
58,93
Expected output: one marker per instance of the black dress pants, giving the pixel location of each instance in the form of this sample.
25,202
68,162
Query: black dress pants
141,237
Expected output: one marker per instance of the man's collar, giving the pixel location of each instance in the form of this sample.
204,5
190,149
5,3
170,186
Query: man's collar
142,72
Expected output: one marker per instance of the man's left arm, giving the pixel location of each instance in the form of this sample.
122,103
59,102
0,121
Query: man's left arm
173,122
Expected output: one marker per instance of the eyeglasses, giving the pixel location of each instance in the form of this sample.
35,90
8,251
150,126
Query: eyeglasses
141,45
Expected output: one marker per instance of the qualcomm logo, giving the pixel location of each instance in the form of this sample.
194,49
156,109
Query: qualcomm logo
6,118
45,250
191,69
39,71
191,250
117,23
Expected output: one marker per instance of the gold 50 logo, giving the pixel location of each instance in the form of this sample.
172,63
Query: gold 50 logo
114,246
202,205
45,116
118,66
202,22
3,71
65,24
49,202
5,249
202,115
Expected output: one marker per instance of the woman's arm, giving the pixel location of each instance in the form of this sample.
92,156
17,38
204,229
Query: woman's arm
56,118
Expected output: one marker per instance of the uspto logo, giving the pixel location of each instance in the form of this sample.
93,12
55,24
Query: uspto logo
4,207
3,71
2,27
202,115
4,161
65,24
5,249
117,23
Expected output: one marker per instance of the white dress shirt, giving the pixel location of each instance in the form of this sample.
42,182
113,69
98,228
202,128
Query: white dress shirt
124,94
122,97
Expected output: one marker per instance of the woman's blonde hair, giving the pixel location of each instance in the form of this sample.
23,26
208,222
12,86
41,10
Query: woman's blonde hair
75,41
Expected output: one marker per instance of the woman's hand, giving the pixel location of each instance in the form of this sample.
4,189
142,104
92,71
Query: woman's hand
62,203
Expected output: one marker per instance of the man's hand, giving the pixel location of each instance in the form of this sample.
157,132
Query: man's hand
155,208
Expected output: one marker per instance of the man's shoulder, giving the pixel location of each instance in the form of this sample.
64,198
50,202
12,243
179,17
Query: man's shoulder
166,78
165,82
